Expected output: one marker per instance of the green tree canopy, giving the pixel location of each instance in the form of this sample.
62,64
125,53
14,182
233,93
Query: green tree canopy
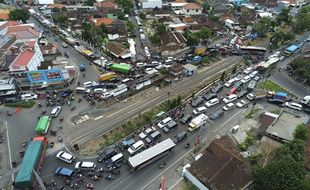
130,26
301,132
161,28
263,25
282,173
61,19
284,16
192,39
204,33
155,39
142,15
302,20
19,14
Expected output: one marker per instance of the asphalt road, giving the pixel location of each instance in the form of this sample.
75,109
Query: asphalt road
121,112
142,179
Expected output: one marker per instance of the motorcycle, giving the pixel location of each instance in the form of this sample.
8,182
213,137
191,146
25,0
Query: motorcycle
24,143
59,139
8,113
187,145
109,177
95,178
162,165
72,108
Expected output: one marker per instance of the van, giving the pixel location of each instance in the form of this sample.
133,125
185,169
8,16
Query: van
88,84
115,159
80,90
293,105
251,85
135,147
235,129
55,112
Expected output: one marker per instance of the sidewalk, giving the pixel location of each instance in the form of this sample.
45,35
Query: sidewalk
5,166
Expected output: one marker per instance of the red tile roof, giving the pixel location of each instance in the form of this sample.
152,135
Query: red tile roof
106,4
22,32
8,23
106,21
31,43
59,6
191,6
179,1
22,59
188,19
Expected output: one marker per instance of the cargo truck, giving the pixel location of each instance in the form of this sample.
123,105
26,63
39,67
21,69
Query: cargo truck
32,161
197,122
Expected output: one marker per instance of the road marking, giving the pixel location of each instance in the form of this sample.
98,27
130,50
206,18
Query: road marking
227,121
144,187
9,148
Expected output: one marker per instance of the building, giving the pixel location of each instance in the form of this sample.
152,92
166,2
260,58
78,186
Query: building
219,167
99,21
22,33
178,5
44,2
151,4
173,38
29,58
118,50
8,88
70,2
191,9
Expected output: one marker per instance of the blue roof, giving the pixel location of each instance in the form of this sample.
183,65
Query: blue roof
281,94
64,171
49,75
292,48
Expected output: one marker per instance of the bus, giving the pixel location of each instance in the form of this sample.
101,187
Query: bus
43,125
32,161
107,76
151,154
253,50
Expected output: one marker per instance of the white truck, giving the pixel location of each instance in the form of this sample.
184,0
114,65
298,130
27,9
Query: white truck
305,100
197,122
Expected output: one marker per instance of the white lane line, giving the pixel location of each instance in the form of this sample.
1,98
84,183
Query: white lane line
9,148
145,186
227,121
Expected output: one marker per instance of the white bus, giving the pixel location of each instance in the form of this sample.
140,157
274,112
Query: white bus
151,154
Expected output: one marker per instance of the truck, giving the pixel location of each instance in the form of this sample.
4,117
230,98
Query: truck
107,76
305,100
32,161
142,36
197,122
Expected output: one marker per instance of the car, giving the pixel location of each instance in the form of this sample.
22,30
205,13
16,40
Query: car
250,96
242,93
229,83
293,105
179,137
29,96
228,106
140,64
150,71
64,44
246,79
230,98
218,88
196,102
212,102
164,122
170,126
199,110
64,172
256,78
209,96
217,114
66,93
85,165
186,118
242,103
106,154
248,70
253,74
278,102
152,137
65,156
238,77
127,142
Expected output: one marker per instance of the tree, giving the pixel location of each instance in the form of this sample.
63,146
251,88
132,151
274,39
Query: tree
155,39
302,20
19,14
263,25
206,7
161,28
223,76
142,15
284,16
301,132
234,70
179,100
130,26
61,19
282,173
204,33
89,2
192,39
120,15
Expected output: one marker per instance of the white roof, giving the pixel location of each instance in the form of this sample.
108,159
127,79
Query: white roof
151,152
229,21
87,164
66,155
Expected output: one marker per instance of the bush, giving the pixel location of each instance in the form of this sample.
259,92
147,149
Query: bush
22,104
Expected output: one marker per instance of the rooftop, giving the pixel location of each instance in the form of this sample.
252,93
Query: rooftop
105,21
285,125
221,166
23,32
191,6
116,48
57,6
22,60
173,37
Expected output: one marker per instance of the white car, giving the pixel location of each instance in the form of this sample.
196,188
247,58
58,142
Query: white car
253,74
140,64
199,110
248,70
238,77
293,105
250,96
246,79
230,98
229,83
242,103
164,122
212,102
29,96
228,106
65,156
85,165
151,71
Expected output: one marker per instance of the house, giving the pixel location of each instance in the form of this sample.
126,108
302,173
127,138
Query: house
107,7
8,88
173,38
191,9
56,6
29,58
219,167
118,50
99,21
22,33
176,72
178,5
151,4
4,14
44,2
70,2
